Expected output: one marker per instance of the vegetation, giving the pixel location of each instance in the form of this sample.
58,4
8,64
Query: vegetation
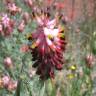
18,77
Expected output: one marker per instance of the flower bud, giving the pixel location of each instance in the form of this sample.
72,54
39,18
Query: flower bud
26,17
90,60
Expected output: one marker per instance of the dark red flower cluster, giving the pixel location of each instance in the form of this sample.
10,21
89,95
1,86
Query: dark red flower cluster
47,45
6,25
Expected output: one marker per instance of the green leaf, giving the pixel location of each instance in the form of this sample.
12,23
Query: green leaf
18,88
42,91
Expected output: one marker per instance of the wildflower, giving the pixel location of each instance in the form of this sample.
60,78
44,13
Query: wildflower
7,25
13,9
47,45
12,85
8,62
5,80
90,60
8,83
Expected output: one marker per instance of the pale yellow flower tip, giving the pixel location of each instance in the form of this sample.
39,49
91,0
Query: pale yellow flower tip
50,36
61,35
70,76
73,67
29,36
34,45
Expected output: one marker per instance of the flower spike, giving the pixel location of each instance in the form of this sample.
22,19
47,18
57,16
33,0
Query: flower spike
47,45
